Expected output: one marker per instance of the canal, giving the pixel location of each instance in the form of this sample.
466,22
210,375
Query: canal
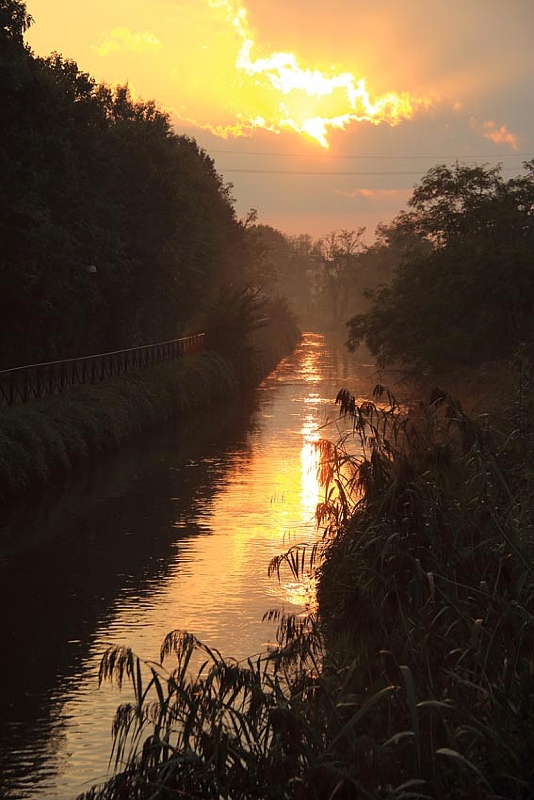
175,531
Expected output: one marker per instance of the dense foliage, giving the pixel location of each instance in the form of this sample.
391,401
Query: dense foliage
426,580
113,228
463,289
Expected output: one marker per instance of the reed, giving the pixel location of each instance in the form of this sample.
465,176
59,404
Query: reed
433,573
414,676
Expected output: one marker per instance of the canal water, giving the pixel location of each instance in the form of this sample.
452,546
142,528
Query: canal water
174,532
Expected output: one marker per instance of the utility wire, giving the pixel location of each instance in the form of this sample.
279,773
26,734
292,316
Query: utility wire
314,172
354,173
325,172
399,157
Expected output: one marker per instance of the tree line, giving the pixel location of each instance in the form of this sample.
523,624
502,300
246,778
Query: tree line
114,229
117,231
448,283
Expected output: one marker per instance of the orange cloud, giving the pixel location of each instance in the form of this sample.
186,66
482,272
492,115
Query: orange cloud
499,134
375,194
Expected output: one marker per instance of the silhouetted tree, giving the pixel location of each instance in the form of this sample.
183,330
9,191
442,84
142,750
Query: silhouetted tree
463,289
90,179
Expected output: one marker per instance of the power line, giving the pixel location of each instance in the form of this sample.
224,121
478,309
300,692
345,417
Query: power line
314,172
360,156
366,173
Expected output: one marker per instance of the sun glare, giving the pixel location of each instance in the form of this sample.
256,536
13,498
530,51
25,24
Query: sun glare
282,94
309,456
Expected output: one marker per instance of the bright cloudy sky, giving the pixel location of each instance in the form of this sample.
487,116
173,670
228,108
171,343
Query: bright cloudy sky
323,116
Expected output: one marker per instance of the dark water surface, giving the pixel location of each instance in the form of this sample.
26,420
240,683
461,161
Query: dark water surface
175,531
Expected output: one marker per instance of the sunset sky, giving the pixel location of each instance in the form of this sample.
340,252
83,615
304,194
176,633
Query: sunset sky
323,116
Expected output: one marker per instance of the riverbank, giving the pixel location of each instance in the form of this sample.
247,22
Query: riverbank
425,594
41,442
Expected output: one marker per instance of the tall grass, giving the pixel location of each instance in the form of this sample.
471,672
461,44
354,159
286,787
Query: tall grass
426,575
415,676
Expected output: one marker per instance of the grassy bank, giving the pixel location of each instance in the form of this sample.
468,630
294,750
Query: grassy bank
44,440
426,587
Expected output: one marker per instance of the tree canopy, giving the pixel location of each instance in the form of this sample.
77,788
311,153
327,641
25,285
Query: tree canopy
114,229
463,290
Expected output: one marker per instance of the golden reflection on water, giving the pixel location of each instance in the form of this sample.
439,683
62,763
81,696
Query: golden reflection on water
216,585
302,592
219,589
309,458
310,364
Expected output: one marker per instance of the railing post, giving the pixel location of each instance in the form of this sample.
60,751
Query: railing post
38,380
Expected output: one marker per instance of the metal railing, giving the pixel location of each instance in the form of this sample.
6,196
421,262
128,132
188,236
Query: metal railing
34,381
